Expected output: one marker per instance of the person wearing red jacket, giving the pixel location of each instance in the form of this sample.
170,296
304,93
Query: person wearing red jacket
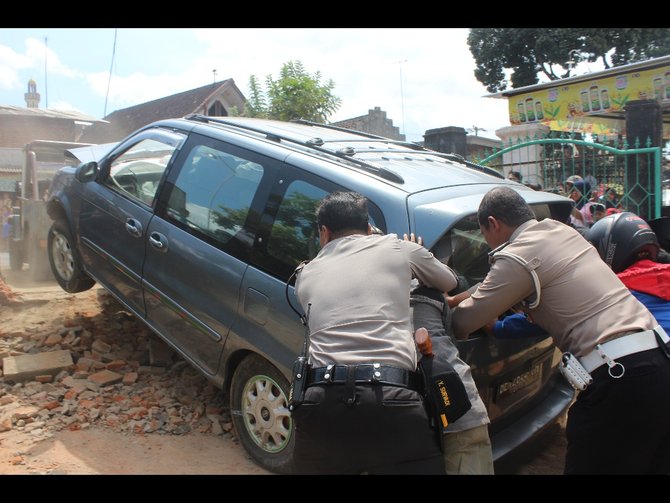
630,247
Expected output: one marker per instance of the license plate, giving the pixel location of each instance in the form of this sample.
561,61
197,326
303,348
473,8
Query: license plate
527,381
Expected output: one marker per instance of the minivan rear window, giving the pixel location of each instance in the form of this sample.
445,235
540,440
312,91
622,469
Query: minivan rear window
465,250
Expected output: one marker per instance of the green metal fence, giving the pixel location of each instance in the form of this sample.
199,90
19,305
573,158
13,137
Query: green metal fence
631,172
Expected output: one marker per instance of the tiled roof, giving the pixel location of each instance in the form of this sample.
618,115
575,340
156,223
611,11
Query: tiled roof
125,121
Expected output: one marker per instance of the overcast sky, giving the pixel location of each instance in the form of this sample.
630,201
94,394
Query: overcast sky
422,77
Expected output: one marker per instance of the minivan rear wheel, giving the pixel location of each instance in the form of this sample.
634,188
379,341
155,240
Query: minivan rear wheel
262,421
64,260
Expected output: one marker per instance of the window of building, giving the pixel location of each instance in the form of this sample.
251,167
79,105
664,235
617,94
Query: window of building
217,110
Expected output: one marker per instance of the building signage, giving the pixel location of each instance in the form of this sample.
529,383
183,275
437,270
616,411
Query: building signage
580,106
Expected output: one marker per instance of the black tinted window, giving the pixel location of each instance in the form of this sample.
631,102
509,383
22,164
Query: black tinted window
213,192
294,236
465,249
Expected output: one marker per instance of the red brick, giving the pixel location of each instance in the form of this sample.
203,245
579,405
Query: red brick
53,339
105,377
71,394
116,365
130,378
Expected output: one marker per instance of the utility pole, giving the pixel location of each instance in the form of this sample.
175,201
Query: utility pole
46,85
402,97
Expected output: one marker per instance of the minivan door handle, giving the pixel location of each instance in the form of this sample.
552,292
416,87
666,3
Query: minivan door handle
134,227
158,241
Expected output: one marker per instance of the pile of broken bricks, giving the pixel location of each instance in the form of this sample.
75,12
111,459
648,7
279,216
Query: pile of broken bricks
103,369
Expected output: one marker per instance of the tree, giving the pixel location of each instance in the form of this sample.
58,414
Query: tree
554,52
295,95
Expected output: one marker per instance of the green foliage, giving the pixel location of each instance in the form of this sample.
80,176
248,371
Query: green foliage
294,95
526,52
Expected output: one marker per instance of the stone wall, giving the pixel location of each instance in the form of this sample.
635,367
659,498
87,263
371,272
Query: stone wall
375,122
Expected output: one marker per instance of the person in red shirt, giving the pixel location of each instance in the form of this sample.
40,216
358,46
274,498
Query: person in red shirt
630,247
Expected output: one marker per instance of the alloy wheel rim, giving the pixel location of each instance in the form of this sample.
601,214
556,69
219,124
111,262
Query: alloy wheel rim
265,413
63,259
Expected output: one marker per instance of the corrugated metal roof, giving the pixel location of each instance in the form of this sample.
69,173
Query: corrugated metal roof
41,112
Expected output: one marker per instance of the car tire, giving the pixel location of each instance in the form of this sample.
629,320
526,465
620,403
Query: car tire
64,260
262,421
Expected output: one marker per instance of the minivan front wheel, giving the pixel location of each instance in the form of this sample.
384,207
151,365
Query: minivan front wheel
259,403
64,260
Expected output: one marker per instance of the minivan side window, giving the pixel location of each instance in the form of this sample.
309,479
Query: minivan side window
294,236
213,193
138,171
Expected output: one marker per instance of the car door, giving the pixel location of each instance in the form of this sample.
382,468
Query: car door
198,245
116,210
288,236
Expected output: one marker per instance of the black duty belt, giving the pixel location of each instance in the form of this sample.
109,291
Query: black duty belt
370,373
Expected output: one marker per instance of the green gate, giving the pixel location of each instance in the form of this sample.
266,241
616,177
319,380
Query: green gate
634,174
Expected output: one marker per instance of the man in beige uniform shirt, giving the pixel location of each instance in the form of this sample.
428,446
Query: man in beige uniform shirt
621,422
362,412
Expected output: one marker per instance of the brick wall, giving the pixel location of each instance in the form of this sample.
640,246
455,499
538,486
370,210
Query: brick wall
17,131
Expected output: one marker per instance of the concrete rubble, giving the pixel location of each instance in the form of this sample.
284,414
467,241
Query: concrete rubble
103,369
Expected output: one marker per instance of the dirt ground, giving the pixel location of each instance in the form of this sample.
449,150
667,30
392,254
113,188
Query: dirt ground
162,418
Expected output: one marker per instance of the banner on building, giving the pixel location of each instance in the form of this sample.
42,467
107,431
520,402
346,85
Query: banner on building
580,106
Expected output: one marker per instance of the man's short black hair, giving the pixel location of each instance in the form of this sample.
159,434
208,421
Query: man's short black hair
343,211
506,205
516,175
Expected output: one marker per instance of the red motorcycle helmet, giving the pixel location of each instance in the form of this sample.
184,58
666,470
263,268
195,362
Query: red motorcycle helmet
622,239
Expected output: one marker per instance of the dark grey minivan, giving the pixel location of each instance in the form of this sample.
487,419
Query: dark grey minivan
196,224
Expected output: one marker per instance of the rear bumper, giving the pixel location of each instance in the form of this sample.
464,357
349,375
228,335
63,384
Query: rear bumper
518,434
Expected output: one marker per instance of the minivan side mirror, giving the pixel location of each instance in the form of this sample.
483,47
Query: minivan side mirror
87,171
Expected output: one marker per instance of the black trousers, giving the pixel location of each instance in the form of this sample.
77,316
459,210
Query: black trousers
386,431
622,426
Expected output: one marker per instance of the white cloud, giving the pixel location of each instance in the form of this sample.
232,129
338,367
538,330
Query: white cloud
10,64
64,106
438,85
136,88
37,51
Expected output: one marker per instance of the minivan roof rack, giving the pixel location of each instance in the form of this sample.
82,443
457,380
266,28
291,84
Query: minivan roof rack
414,146
387,174
361,133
